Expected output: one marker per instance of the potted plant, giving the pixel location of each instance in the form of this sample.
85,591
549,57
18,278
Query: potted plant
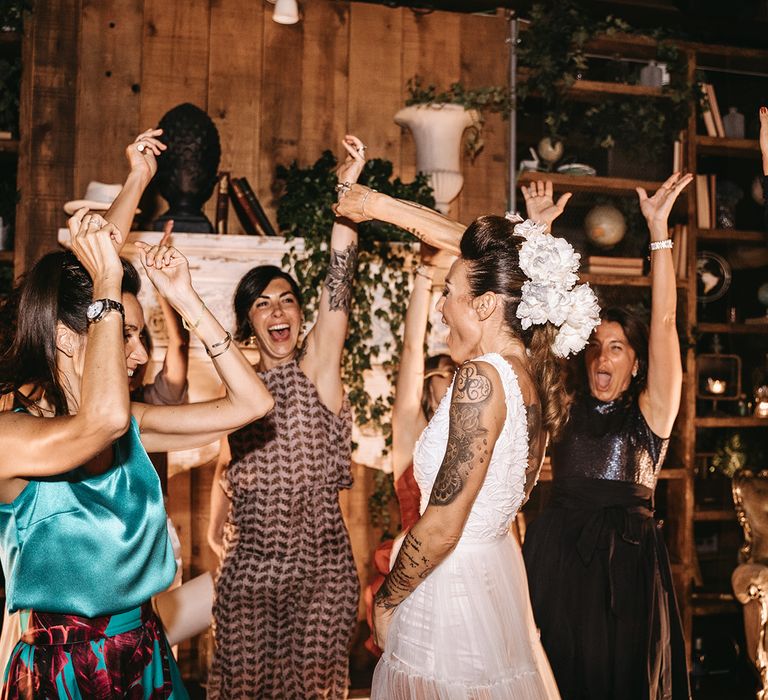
438,121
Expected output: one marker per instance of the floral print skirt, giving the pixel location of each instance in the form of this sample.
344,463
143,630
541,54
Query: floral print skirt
116,656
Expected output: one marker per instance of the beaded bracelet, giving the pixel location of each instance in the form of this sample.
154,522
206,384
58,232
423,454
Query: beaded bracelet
225,343
659,245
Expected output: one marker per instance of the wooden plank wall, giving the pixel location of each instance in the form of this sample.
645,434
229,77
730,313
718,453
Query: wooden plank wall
275,92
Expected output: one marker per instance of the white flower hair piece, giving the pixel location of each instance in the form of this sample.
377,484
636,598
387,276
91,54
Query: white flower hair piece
551,265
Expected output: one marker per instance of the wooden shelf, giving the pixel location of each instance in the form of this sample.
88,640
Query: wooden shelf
671,474
730,235
598,88
9,146
735,328
714,604
732,148
589,183
10,38
6,256
705,515
730,422
622,280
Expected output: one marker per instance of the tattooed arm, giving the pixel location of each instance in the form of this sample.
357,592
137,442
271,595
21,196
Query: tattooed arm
320,357
477,415
363,204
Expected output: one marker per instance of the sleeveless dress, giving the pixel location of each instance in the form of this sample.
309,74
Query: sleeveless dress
287,591
83,555
467,630
598,569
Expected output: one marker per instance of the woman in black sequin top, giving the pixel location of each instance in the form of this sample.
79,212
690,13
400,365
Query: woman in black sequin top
598,569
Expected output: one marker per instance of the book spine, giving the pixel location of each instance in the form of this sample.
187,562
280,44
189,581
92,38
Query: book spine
720,128
702,202
240,203
620,271
706,113
222,204
258,210
614,262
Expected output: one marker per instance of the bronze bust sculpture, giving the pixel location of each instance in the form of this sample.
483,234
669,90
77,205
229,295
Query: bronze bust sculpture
186,173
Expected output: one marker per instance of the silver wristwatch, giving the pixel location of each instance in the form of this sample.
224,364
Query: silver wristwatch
99,308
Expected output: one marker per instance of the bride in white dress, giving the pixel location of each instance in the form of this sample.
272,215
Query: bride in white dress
453,616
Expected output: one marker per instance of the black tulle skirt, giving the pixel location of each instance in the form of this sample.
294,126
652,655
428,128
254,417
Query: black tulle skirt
602,594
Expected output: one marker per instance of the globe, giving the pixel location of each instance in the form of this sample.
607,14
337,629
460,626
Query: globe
604,225
762,295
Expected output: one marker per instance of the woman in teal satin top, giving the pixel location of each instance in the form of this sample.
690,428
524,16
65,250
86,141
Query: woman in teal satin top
83,537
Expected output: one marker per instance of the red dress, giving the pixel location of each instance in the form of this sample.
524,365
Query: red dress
409,498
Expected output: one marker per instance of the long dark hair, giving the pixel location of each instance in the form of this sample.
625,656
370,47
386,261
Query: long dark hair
250,288
491,250
57,289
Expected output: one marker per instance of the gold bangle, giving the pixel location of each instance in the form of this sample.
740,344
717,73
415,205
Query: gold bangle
362,204
192,326
225,343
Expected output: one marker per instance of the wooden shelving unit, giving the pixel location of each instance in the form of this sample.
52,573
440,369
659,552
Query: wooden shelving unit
734,328
6,256
730,422
705,515
589,183
729,235
730,148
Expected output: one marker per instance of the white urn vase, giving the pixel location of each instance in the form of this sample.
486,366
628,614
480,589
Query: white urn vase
437,130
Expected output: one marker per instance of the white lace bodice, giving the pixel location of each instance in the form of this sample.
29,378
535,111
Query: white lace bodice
503,490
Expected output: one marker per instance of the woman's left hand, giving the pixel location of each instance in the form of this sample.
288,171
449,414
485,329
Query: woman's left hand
656,209
168,270
142,154
382,617
353,165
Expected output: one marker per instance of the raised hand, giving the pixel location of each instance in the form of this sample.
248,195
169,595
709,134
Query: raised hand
540,204
353,164
168,270
656,209
95,243
142,154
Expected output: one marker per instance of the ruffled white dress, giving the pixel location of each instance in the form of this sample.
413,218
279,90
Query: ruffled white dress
467,631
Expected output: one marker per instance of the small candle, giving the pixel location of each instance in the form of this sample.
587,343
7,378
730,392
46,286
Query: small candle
761,409
716,386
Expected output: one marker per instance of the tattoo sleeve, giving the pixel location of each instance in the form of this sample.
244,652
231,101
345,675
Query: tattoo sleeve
338,281
468,447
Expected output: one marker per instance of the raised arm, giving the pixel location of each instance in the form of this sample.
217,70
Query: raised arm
660,401
170,385
321,353
408,419
477,415
35,446
142,159
165,428
364,204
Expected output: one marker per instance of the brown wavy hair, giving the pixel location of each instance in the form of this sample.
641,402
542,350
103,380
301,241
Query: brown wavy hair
491,250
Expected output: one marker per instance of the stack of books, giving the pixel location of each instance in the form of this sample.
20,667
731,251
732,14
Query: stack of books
246,204
612,265
706,201
679,236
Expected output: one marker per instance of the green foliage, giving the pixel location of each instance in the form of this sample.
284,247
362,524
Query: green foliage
12,14
493,99
305,211
553,53
378,503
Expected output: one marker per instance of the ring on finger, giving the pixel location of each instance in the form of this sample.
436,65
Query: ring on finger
140,147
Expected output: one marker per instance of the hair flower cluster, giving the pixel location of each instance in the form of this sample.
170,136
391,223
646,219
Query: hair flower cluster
551,293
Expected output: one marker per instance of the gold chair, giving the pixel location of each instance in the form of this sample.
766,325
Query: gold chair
750,579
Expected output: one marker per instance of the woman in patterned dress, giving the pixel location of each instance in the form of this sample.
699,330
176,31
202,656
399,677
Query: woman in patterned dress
83,535
287,590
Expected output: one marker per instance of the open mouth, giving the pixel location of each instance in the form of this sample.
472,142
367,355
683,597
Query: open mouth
280,332
602,380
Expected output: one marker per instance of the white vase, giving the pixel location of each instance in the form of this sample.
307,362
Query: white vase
437,130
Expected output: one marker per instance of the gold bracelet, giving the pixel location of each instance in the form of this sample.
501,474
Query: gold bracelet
226,343
194,325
